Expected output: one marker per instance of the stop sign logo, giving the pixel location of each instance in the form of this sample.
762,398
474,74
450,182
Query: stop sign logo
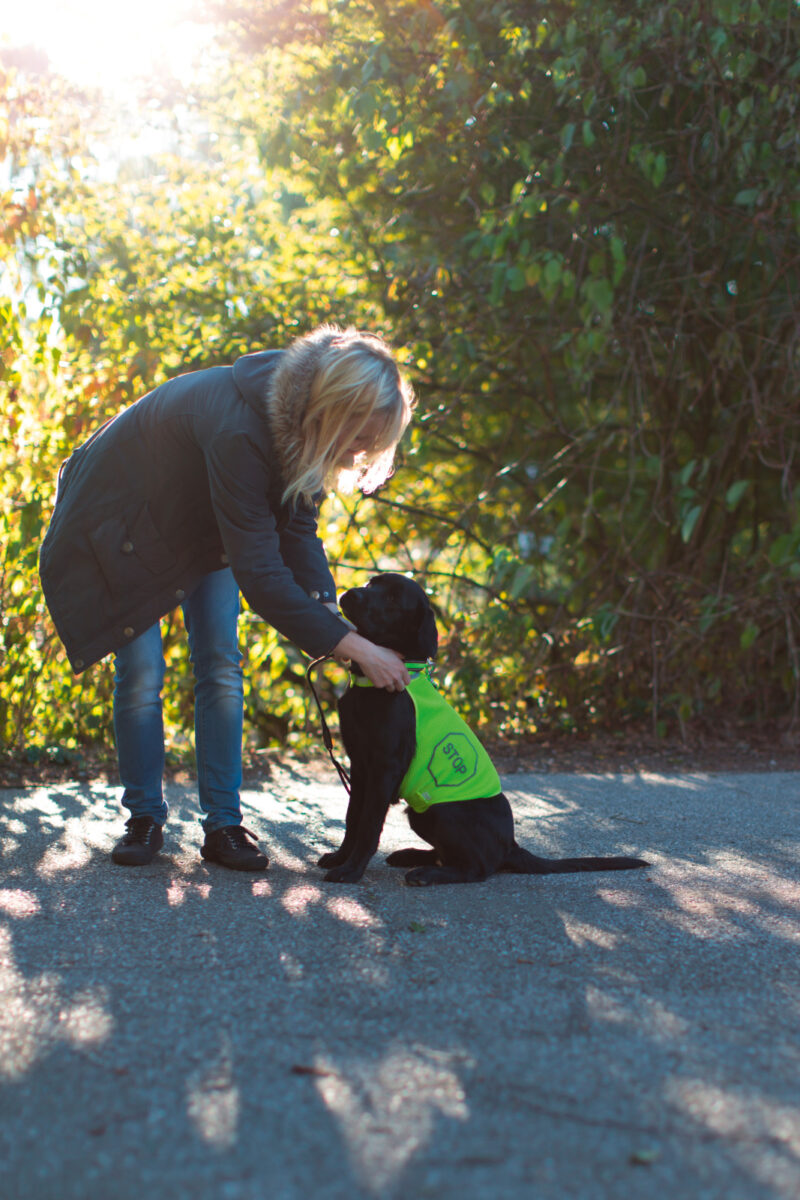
454,760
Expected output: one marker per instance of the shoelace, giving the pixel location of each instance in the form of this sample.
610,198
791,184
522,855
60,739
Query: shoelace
138,831
240,838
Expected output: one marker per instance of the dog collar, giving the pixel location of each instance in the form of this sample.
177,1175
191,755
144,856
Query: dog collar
415,669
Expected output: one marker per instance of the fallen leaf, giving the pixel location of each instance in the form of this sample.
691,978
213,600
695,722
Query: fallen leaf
644,1158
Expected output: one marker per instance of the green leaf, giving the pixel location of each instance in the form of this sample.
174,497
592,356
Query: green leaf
735,493
783,549
522,578
599,293
604,622
689,522
659,169
749,635
748,197
552,271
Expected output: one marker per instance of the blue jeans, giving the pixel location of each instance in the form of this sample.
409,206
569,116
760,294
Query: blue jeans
211,614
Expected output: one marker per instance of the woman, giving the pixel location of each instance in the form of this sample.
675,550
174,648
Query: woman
205,486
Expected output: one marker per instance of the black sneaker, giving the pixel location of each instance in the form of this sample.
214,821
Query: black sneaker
235,847
140,844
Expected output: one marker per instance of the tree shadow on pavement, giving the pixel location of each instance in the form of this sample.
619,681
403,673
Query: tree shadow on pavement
188,1030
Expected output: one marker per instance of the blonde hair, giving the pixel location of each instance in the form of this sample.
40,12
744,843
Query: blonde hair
355,380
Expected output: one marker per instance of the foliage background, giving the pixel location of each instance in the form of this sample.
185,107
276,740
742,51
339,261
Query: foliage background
578,223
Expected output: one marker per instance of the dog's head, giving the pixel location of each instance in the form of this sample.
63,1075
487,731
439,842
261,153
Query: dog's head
393,611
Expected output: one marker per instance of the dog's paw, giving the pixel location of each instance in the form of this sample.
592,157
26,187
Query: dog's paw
332,859
420,877
344,875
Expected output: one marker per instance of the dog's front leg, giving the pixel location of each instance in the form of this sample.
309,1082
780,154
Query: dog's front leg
378,734
369,802
335,858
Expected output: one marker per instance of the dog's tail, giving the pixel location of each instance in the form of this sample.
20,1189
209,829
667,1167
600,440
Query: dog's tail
522,862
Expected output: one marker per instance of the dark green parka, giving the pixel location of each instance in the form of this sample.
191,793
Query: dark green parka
187,481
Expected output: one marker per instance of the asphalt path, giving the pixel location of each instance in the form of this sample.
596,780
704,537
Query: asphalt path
184,1031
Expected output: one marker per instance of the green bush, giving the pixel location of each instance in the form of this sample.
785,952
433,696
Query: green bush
578,224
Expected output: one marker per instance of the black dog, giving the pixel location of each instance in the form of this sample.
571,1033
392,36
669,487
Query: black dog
471,838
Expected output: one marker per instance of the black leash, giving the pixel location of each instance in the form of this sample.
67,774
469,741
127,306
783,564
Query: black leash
326,733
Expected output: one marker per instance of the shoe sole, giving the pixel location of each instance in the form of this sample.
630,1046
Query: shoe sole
133,862
234,866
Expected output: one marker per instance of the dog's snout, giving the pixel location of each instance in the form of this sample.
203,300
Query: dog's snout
351,602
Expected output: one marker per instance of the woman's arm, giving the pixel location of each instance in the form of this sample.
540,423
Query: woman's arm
239,480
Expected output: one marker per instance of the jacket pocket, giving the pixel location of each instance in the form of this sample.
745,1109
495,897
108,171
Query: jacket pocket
123,546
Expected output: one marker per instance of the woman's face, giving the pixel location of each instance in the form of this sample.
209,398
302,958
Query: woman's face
365,439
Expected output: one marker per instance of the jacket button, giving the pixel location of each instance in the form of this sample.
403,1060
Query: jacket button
128,631
180,594
78,663
223,558
127,547
315,595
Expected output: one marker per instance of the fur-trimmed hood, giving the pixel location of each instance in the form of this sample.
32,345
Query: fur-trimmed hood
278,383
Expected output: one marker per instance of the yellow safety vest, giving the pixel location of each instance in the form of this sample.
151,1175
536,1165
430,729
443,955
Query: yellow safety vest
449,762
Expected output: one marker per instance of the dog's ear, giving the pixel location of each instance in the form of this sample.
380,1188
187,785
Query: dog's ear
428,636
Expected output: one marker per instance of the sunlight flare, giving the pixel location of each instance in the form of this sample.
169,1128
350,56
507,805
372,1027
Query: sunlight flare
97,44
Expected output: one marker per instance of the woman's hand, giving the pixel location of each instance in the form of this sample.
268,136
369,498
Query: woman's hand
384,668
